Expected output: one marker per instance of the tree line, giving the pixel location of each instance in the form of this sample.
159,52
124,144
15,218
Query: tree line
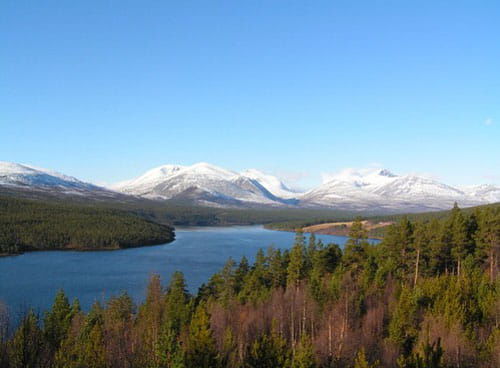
426,296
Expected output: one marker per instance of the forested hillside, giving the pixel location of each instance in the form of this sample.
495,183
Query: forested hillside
34,225
426,296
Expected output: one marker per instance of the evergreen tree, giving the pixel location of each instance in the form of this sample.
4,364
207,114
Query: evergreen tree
354,251
431,357
304,354
240,273
228,356
296,267
312,244
201,350
170,353
227,285
277,268
421,245
361,362
267,352
94,351
488,240
459,237
403,324
57,321
300,239
150,320
439,248
26,349
177,302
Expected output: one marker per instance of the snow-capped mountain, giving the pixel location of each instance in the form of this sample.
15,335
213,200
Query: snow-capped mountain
365,189
375,190
271,183
200,183
381,189
26,178
484,192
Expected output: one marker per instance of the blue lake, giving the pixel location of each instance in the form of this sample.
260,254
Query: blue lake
32,279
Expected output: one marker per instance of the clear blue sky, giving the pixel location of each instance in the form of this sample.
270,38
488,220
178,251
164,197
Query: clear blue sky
104,90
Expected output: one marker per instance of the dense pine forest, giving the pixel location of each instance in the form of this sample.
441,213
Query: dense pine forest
32,225
426,296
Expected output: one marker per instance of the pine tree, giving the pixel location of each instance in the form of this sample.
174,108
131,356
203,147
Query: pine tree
240,273
227,286
170,353
267,352
296,265
300,239
459,237
488,240
94,351
312,245
277,268
177,302
201,350
57,320
431,357
229,356
402,326
295,268
354,251
439,247
26,348
361,362
421,246
150,319
304,354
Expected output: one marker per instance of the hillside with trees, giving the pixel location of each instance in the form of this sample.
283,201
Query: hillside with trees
426,296
33,225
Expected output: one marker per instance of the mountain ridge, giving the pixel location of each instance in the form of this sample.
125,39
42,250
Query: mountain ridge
205,184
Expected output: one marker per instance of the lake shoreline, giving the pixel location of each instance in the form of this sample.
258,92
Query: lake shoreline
86,249
333,230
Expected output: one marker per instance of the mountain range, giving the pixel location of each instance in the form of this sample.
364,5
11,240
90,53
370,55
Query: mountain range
31,181
208,185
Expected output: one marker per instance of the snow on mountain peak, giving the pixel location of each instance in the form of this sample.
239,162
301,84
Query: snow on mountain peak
380,188
150,177
271,183
10,172
488,192
14,174
202,182
360,177
203,168
27,178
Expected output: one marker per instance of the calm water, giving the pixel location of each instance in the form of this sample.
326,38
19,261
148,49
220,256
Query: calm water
32,279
